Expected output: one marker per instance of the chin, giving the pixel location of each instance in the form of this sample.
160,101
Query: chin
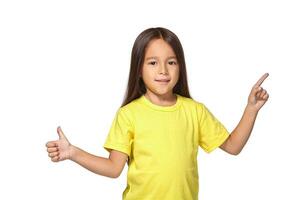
161,93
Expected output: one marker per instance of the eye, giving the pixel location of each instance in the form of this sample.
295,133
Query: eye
173,63
152,63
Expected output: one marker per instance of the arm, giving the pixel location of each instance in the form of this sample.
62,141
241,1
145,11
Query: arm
240,135
62,149
110,167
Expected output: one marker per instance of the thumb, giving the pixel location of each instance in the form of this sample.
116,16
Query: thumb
60,133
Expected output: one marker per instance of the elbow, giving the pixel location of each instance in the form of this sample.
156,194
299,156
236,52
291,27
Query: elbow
115,175
108,174
116,172
234,149
235,153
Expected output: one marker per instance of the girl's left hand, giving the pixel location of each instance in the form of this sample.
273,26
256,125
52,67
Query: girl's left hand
258,96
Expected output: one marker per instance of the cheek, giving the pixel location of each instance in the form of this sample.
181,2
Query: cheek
147,74
175,73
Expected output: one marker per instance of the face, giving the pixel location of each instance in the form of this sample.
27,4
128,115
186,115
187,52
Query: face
160,71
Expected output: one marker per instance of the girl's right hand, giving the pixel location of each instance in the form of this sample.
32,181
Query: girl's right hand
59,150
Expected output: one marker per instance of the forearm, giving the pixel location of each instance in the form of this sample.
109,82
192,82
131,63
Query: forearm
99,165
240,135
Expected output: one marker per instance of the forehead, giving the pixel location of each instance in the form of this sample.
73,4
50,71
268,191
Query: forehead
159,48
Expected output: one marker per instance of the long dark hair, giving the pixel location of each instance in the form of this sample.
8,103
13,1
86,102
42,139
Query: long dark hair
136,86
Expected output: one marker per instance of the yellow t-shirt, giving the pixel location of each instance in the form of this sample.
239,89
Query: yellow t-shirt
162,145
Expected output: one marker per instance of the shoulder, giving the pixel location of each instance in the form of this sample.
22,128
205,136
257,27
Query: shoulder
130,107
128,111
192,102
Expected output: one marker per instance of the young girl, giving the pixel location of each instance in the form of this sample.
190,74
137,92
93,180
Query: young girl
159,127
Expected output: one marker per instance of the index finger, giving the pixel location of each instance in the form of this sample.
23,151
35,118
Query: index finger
261,80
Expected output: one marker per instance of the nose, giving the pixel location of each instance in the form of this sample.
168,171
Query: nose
163,69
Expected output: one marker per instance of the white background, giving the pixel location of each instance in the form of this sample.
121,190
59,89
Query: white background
67,63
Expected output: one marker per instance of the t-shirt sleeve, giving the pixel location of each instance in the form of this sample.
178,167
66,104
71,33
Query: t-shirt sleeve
212,133
120,135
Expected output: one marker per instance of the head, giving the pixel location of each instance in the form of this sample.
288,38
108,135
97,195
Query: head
156,55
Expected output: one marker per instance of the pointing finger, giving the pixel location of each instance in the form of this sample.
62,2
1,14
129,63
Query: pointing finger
261,80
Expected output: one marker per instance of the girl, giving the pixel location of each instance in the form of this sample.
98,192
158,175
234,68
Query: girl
159,127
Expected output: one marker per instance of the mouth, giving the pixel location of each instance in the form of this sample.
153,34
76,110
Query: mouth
163,80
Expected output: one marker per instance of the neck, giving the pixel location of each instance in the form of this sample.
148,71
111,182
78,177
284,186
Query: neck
162,100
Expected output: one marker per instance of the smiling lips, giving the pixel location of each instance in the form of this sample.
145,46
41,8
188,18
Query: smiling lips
162,80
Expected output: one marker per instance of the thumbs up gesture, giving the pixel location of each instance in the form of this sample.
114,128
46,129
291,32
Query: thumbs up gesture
59,150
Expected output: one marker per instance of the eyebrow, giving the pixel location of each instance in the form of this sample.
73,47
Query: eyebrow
157,57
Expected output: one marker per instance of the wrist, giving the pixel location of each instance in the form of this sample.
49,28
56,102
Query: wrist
72,152
251,110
